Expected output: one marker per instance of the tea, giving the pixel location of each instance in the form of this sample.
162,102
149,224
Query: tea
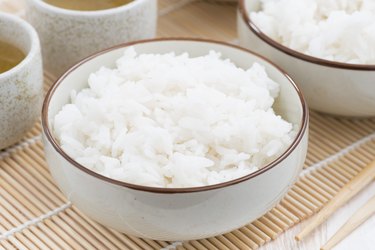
10,56
87,5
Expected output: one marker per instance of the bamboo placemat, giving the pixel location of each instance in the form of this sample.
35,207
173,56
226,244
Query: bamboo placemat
35,215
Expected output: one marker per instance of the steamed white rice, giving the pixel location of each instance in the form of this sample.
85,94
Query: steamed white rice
169,120
336,30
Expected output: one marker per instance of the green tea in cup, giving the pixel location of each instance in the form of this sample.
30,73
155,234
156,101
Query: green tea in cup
10,56
87,5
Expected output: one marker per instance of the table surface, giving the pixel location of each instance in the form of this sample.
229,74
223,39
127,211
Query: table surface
208,19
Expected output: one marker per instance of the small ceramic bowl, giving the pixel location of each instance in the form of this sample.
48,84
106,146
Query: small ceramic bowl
21,88
332,87
176,213
68,36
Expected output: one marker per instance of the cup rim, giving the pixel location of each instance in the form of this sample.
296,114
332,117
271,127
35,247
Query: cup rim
33,40
294,53
51,139
87,13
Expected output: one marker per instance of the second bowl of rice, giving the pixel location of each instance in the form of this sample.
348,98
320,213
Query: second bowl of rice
175,139
327,46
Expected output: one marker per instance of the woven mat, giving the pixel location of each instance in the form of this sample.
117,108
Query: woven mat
35,215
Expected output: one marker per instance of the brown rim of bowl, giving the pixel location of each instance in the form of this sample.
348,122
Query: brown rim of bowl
246,18
55,144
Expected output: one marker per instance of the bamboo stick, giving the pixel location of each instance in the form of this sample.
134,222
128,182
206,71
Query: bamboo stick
344,195
357,219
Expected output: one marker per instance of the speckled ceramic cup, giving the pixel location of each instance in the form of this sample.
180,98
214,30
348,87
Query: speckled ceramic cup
68,36
21,88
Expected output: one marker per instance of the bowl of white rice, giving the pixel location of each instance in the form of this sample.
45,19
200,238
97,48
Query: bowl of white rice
327,46
175,139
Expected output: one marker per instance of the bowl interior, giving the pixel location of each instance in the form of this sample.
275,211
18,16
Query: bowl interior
248,6
290,104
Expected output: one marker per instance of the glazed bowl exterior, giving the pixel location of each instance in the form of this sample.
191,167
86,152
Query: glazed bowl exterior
176,213
68,36
21,88
331,87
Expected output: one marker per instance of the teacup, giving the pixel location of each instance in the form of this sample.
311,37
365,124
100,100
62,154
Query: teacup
68,36
21,87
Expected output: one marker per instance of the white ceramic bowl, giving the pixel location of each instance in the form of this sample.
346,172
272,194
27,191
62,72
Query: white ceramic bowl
21,88
331,87
176,213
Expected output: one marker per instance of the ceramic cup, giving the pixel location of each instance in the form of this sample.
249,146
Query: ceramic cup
68,36
21,88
